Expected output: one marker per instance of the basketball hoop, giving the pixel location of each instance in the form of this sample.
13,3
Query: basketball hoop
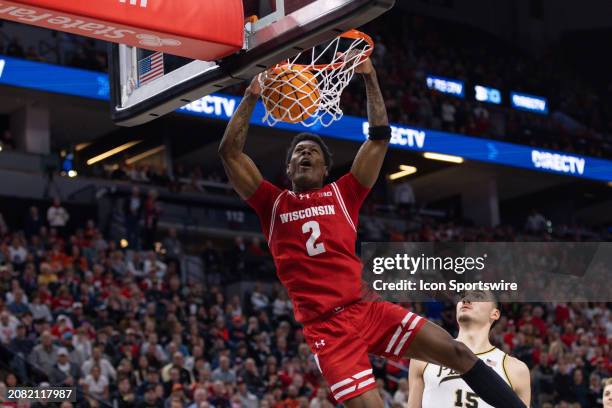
307,88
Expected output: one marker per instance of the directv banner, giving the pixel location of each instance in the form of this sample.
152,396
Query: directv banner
95,85
355,129
446,85
529,103
54,78
504,271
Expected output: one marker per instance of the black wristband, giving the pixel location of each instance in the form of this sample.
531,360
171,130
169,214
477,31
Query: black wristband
380,133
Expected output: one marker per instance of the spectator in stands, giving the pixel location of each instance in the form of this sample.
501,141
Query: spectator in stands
154,265
33,222
173,247
21,344
104,366
535,222
64,373
245,398
3,226
96,385
124,396
152,211
44,355
210,257
282,305
404,197
58,217
151,399
8,327
178,363
607,393
259,300
18,305
224,372
133,214
200,397
401,394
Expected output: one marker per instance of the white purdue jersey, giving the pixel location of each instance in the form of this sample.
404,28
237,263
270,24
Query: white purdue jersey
444,388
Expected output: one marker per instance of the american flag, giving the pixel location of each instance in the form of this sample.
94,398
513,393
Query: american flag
150,68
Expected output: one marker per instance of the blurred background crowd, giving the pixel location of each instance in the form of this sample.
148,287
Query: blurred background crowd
125,326
102,296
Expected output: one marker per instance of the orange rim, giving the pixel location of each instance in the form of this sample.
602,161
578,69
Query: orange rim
351,34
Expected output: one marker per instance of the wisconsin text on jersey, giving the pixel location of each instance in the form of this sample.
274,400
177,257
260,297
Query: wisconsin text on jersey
308,213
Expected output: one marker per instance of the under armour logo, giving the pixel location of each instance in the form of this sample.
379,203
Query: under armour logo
143,3
304,195
150,40
319,344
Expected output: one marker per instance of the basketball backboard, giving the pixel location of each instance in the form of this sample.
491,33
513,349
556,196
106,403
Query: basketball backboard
284,28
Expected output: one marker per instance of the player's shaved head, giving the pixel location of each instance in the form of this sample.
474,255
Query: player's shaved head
308,162
327,155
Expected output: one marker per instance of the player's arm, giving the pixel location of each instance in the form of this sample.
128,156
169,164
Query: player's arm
240,169
520,377
371,155
416,383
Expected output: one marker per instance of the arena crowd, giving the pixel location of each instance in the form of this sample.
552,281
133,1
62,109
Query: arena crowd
126,329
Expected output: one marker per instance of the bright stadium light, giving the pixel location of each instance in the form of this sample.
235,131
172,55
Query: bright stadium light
81,146
144,155
404,171
72,173
112,152
443,157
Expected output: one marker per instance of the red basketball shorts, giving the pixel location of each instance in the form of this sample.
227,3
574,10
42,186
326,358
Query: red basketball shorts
342,341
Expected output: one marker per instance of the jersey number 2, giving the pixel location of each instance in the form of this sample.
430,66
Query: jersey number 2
312,228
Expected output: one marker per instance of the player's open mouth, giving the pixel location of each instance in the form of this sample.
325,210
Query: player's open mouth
305,163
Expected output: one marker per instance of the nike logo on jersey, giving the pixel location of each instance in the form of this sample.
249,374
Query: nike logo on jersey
308,213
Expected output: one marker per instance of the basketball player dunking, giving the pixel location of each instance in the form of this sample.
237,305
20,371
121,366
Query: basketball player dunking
311,231
435,386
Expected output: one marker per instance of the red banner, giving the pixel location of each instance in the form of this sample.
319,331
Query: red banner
199,29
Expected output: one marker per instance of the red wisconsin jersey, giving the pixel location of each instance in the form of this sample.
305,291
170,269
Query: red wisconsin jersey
312,238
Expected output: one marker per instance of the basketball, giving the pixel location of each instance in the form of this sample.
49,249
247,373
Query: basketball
291,95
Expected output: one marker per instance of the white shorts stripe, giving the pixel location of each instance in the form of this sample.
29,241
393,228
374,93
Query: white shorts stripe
393,339
344,392
342,206
362,374
341,384
274,207
365,383
407,335
406,318
415,322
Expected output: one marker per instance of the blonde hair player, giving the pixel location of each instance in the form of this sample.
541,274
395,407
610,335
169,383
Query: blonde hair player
434,386
607,393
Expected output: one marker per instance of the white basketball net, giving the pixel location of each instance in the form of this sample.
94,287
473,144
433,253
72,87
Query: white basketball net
328,78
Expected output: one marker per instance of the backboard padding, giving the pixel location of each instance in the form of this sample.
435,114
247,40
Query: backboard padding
306,24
